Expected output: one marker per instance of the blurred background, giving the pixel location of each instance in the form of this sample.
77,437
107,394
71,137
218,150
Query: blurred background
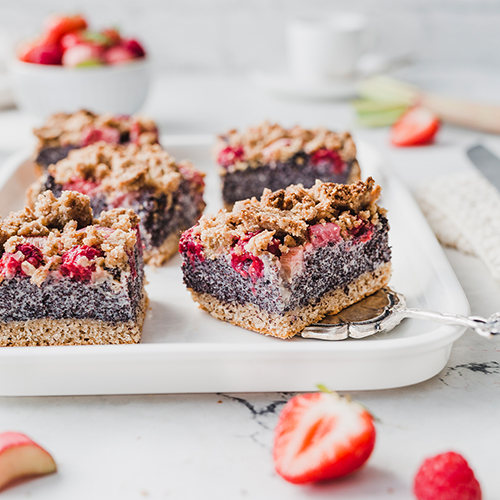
237,35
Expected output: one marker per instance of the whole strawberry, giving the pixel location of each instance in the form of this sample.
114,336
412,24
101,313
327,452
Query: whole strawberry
322,436
446,477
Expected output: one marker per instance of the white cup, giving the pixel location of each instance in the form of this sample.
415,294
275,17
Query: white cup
322,49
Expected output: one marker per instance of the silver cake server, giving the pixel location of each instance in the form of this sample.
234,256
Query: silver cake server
383,311
486,162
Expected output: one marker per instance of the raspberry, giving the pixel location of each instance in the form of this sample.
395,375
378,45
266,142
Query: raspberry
230,155
11,264
77,262
247,264
446,477
191,246
327,156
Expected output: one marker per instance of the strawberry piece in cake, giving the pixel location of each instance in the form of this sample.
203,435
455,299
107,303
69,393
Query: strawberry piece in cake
167,196
66,279
269,156
63,132
282,263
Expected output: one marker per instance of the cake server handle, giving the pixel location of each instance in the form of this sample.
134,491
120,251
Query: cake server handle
383,311
486,327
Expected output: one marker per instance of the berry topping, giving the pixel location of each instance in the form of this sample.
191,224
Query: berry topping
322,436
322,234
192,175
191,247
82,186
274,247
363,231
323,156
12,264
247,264
136,132
446,477
90,135
230,155
77,262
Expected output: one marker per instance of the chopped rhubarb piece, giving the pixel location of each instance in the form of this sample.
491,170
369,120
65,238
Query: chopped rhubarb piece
322,234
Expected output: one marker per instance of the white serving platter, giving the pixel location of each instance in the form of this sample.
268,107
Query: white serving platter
185,350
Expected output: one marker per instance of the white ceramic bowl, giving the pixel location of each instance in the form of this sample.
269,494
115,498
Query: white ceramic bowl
43,90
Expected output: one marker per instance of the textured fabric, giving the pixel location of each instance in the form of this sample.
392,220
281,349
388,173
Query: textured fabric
464,212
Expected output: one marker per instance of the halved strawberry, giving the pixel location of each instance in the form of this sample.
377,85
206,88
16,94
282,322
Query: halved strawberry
57,26
416,127
322,436
40,52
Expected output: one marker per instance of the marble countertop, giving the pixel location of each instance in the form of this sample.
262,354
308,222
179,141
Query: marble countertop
220,445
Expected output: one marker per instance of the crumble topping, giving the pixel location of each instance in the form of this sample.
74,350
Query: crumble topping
286,216
270,142
64,128
118,167
57,225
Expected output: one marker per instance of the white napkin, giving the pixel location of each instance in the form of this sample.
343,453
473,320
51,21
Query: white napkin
464,212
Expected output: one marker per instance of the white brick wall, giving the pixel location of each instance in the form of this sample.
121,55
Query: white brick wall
238,35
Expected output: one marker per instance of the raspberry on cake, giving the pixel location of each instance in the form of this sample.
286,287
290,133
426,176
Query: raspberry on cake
282,263
63,132
167,196
66,279
269,156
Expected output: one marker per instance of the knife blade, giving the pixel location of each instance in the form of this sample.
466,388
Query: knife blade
486,162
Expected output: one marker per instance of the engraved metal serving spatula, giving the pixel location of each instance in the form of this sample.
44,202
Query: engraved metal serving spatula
384,310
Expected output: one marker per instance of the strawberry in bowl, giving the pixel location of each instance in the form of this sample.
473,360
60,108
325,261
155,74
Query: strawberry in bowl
71,67
67,41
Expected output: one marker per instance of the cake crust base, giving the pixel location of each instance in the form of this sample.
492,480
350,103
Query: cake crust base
48,331
159,255
287,325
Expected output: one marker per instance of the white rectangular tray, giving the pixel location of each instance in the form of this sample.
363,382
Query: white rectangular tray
183,349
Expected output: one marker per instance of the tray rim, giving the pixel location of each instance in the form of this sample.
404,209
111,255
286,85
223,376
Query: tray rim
429,340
